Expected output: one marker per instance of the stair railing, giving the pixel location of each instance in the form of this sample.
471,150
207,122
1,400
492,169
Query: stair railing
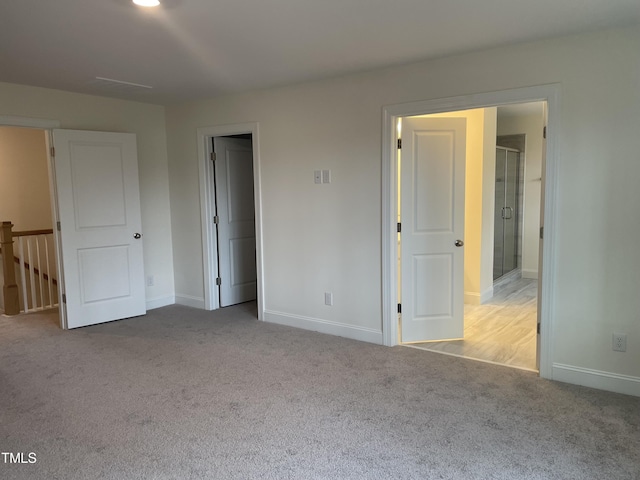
32,266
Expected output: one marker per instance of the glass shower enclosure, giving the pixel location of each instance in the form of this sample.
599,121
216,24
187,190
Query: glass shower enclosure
506,252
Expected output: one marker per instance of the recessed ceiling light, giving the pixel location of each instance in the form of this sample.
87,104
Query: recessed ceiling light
147,3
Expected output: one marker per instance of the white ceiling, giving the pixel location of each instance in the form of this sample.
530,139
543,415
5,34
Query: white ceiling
190,49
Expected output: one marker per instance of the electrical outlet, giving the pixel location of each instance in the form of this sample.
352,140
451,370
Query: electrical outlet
619,342
150,281
326,176
328,298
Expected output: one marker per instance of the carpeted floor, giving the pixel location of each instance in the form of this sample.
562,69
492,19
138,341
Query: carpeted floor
182,393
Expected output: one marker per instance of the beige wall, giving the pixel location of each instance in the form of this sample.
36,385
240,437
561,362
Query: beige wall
24,179
84,112
328,238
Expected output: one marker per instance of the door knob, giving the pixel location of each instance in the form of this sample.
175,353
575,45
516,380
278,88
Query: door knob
459,243
137,235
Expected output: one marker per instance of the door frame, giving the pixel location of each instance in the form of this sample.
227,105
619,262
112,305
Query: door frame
390,115
48,126
207,209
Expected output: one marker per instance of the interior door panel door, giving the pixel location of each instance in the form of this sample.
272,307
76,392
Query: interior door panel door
98,200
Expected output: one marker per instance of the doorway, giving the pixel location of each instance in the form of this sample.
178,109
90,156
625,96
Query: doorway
391,114
234,218
26,201
500,309
230,194
115,259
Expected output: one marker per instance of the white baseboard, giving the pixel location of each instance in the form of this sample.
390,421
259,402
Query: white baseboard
325,326
475,298
472,298
612,382
160,302
530,274
190,301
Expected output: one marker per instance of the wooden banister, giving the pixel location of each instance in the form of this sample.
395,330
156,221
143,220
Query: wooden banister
10,287
26,233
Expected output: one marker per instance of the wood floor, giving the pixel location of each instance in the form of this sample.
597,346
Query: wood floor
502,331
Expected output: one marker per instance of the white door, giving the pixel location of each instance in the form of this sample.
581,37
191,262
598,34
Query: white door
98,198
541,239
432,217
236,220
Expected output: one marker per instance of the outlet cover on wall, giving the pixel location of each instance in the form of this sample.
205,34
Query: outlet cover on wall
620,342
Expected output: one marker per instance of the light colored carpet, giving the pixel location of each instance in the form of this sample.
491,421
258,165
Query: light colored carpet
182,393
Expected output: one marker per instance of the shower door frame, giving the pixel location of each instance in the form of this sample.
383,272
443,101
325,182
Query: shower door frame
516,213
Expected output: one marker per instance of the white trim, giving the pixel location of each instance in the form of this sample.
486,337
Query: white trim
530,274
158,302
486,295
362,334
390,114
475,298
613,382
57,235
28,122
189,301
205,173
472,298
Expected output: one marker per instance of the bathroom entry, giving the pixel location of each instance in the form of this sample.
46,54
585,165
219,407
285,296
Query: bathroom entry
502,327
507,224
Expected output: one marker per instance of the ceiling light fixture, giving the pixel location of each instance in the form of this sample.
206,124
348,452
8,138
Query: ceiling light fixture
147,3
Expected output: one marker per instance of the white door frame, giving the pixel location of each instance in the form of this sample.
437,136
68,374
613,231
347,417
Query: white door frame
207,209
390,115
48,126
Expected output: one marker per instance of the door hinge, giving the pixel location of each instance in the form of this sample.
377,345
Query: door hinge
53,151
216,219
58,226
541,232
399,227
544,132
399,308
399,143
218,281
64,298
538,329
213,156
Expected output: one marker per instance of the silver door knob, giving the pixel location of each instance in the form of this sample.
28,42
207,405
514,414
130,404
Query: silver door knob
137,235
459,243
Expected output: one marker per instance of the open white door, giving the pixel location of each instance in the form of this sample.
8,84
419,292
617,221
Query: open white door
98,201
541,239
236,220
432,209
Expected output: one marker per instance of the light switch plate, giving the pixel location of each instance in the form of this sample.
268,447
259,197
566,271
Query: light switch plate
328,298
